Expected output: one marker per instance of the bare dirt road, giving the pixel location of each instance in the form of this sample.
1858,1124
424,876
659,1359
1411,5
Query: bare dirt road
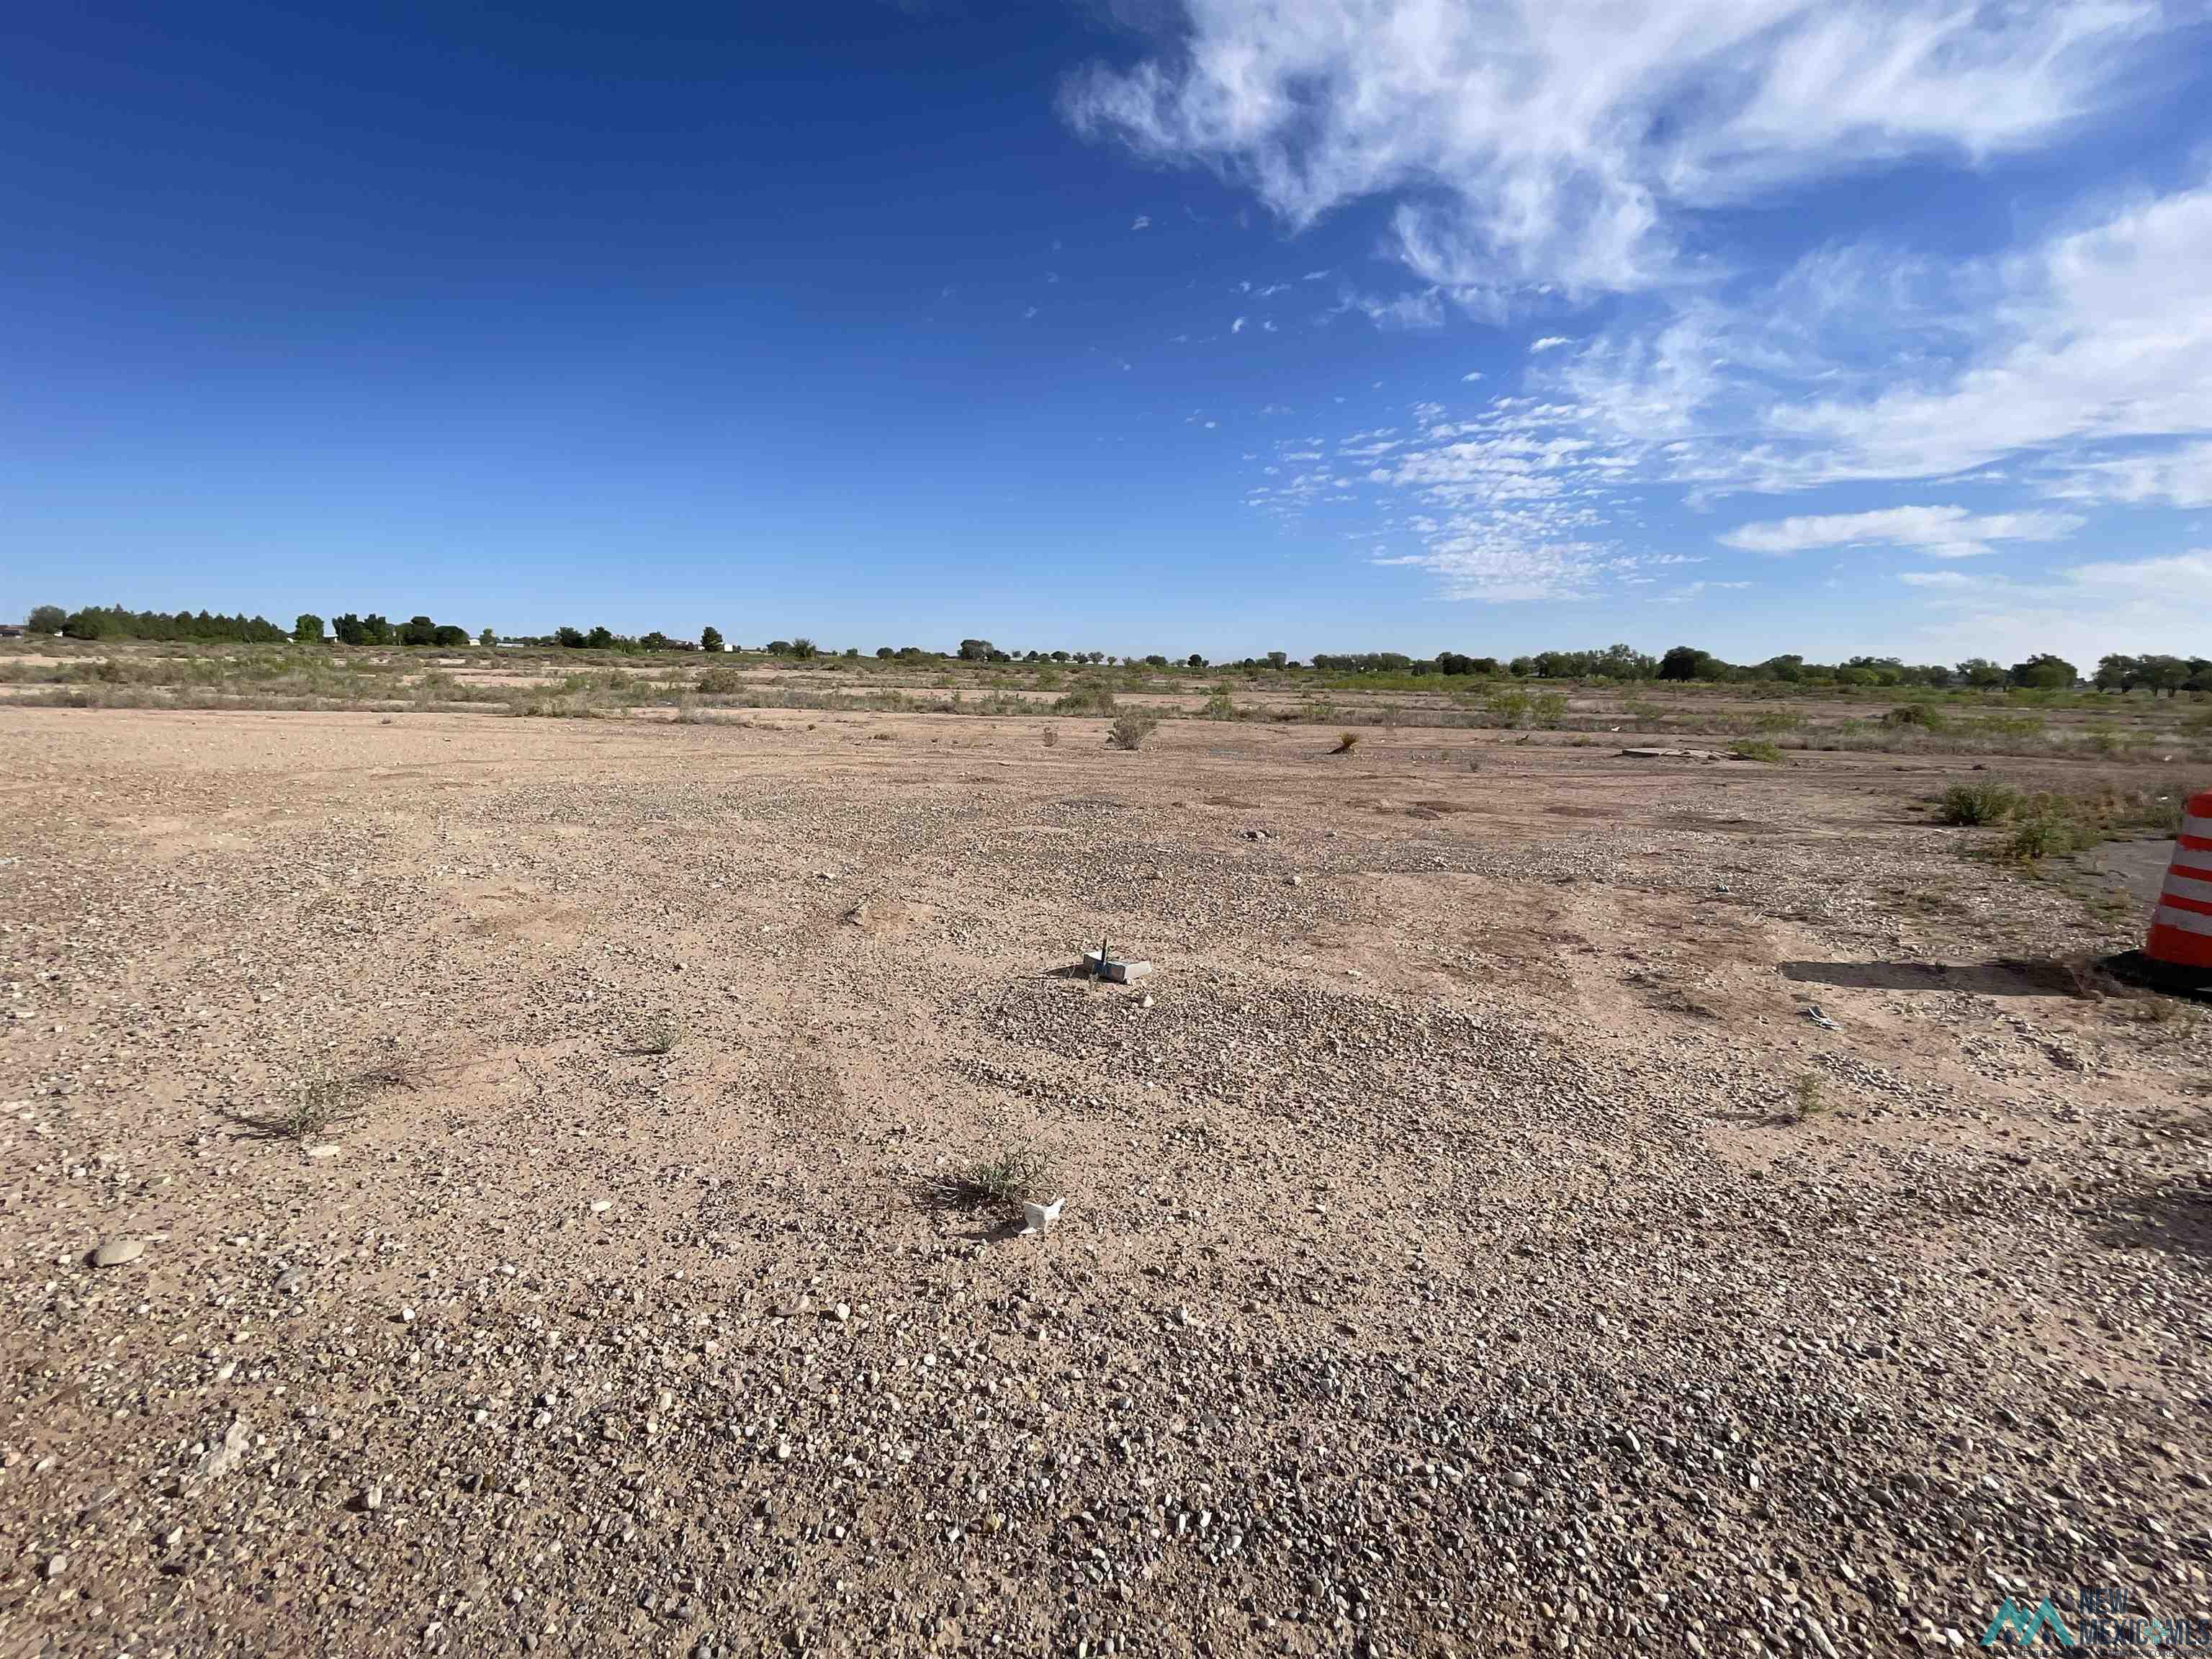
542,1143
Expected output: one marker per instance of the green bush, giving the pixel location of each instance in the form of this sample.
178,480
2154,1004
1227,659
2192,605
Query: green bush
1760,750
1977,802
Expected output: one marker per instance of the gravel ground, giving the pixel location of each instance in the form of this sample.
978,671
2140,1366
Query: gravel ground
536,1152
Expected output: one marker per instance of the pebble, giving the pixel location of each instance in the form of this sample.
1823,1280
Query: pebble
119,1251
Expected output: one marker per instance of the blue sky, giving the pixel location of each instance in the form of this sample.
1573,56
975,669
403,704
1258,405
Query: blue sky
1133,325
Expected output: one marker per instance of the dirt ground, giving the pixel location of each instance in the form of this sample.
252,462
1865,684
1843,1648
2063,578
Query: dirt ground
1542,1202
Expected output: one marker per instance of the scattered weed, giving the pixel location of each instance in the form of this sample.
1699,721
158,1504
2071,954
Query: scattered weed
1016,1173
317,1102
1758,750
1346,743
658,1035
1809,1097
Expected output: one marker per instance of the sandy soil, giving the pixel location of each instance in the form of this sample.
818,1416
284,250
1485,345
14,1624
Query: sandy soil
1472,1242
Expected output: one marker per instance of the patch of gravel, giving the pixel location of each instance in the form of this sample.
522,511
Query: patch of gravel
1425,1284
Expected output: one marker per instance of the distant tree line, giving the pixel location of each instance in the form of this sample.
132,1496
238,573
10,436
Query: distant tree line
1682,664
112,622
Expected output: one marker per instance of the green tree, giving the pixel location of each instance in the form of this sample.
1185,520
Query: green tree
803,648
884,653
1684,662
1981,673
487,639
418,631
376,629
2043,672
47,619
2166,674
2116,672
572,638
89,623
308,630
975,650
1194,660
710,639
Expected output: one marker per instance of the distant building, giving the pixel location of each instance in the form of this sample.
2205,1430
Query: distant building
11,630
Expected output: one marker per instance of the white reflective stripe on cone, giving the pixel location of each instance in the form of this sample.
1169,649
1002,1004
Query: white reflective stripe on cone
2193,825
2187,921
2179,886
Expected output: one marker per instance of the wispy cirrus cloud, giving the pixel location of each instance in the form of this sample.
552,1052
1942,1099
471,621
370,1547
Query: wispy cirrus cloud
1944,532
1560,142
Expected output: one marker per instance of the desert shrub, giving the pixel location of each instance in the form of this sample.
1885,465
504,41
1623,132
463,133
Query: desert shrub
1760,750
2044,834
1346,743
1978,802
721,682
1509,706
1129,731
1090,697
1915,714
1218,706
1549,709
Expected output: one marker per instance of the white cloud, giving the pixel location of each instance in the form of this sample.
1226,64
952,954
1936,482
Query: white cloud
1237,327
1472,376
1935,578
1549,343
1142,222
1560,141
1029,314
1947,532
2176,477
2099,335
2145,605
1424,309
1689,591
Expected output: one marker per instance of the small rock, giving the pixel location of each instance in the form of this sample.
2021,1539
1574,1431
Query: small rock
601,1206
328,1149
56,1566
118,1251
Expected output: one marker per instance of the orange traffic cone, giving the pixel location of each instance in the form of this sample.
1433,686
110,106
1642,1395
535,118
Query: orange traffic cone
2181,927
